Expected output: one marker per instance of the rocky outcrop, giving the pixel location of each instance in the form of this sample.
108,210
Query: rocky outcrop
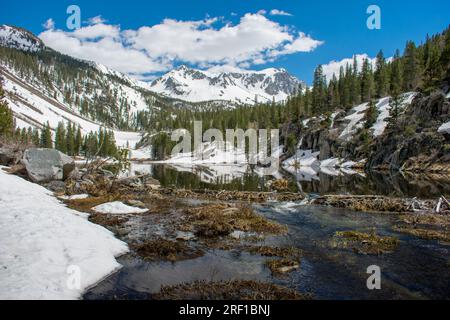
413,143
45,165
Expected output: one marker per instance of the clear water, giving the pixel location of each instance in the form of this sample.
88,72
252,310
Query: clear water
417,269
307,180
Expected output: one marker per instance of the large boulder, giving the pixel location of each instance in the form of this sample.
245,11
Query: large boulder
45,165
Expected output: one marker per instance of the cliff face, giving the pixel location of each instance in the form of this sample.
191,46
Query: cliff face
411,141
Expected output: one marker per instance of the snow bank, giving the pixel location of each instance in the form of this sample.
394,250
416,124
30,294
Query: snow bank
40,239
117,207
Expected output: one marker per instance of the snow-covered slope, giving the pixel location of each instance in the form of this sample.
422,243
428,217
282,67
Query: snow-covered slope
242,87
356,118
84,87
33,108
42,242
20,39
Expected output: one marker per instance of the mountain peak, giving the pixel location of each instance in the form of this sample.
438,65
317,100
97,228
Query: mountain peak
241,86
18,38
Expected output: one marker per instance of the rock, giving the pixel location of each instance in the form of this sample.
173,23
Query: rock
45,165
9,156
56,186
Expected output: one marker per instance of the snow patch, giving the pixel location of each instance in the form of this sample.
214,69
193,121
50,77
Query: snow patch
117,207
445,128
40,239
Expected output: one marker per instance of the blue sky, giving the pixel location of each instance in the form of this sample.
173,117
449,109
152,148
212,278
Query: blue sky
339,25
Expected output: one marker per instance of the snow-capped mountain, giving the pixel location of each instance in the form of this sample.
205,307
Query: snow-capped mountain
241,87
20,39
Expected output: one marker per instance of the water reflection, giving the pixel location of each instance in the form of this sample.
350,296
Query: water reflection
307,179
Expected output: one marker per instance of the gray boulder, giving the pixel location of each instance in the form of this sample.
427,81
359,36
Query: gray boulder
44,165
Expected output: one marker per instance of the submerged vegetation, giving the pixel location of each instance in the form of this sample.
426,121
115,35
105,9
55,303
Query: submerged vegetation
364,243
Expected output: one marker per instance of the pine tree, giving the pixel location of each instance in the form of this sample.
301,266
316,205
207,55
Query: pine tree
78,141
433,70
70,139
35,139
396,83
367,85
371,114
319,91
60,138
381,76
445,55
411,67
355,88
46,137
6,116
396,86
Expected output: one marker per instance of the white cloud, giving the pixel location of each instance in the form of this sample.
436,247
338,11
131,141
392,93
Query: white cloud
276,12
254,40
303,43
261,12
333,66
96,20
107,50
49,24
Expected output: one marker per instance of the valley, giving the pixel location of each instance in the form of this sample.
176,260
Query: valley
361,178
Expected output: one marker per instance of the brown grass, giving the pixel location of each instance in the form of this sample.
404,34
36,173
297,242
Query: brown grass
215,220
364,243
288,252
107,220
229,290
427,234
85,205
162,249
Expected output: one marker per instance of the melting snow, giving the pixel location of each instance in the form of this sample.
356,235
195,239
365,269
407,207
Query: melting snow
117,207
40,239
